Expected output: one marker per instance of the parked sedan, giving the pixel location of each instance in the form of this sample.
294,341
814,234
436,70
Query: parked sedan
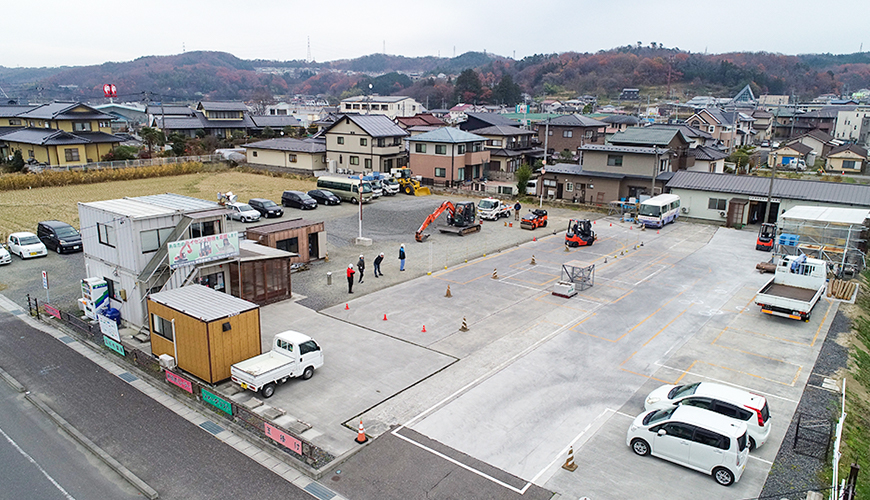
243,212
267,208
5,258
298,199
324,197
26,245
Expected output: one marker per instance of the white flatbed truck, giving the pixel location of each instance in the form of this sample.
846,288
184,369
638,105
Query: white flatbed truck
293,355
493,209
797,284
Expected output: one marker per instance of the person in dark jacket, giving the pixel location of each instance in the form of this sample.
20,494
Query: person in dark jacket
350,273
517,208
378,260
361,265
402,257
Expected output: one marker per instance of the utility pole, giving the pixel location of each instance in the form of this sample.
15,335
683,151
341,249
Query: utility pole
652,191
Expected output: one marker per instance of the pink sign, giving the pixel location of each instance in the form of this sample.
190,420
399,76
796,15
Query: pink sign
180,382
287,440
52,310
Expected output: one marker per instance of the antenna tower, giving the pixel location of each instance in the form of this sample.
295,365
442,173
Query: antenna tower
308,59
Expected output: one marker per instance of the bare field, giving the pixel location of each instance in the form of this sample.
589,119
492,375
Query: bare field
23,209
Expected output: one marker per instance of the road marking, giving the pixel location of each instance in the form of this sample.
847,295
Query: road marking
768,462
571,444
31,460
763,393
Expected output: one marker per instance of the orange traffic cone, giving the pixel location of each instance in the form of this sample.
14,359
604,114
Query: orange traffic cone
361,435
657,232
569,463
424,329
630,228
611,224
535,238
385,316
346,307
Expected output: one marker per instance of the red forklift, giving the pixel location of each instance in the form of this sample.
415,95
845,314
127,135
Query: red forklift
580,233
766,235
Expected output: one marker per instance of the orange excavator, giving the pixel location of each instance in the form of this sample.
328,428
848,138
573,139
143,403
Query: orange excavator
461,219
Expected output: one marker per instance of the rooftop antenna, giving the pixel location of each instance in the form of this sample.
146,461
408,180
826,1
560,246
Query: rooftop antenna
308,59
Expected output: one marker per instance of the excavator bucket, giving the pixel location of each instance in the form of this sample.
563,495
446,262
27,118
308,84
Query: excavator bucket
422,191
421,237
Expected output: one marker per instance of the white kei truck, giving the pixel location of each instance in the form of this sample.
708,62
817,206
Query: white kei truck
797,284
293,354
493,209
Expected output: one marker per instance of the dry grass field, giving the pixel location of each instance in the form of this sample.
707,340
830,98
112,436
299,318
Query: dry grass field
22,209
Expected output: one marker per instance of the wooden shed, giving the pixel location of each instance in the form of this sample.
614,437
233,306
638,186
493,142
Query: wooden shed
206,331
300,236
261,274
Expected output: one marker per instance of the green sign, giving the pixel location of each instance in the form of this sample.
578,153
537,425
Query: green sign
115,346
218,402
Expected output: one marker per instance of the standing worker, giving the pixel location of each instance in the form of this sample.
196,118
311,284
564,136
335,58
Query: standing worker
517,208
378,261
402,257
361,265
350,273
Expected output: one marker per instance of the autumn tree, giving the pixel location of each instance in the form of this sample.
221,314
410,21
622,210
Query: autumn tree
468,87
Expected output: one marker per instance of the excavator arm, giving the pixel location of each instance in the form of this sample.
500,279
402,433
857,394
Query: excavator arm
447,205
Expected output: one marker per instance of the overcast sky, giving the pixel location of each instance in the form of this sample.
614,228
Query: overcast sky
78,33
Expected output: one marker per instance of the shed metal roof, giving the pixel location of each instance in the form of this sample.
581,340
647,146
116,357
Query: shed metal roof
376,125
177,202
792,189
288,144
574,120
647,136
202,302
128,207
276,121
832,215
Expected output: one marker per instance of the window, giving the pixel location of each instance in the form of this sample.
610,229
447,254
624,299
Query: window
713,439
849,164
307,346
155,238
460,149
114,288
704,403
680,431
589,134
291,158
106,234
505,190
161,326
15,121
567,133
71,154
440,149
419,148
477,147
340,140
254,154
103,124
368,163
716,204
711,129
494,142
382,142
81,126
569,186
550,132
363,141
290,244
200,229
550,182
354,160
440,172
460,174
614,160
347,105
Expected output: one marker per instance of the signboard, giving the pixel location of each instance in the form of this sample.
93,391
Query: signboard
764,199
283,438
109,90
52,310
179,381
217,401
205,249
44,280
109,328
115,346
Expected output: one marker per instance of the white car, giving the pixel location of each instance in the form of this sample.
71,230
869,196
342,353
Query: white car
243,212
26,245
694,438
726,400
5,258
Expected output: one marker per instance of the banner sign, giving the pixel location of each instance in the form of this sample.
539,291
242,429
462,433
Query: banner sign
178,381
287,440
205,249
115,346
52,310
217,401
109,328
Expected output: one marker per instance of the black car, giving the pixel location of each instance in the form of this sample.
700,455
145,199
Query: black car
267,208
298,199
324,197
59,236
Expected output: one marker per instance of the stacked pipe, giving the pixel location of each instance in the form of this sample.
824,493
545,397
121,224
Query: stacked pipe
841,289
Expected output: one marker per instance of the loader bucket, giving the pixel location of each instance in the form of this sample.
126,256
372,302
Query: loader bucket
422,191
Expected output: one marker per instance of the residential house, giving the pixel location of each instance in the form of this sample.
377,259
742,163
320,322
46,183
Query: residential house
125,117
670,142
762,127
697,136
851,124
391,106
306,114
475,120
167,111
550,106
824,119
848,158
220,119
366,142
420,120
618,123
793,151
276,123
509,147
707,159
624,171
448,157
820,142
729,128
569,132
293,154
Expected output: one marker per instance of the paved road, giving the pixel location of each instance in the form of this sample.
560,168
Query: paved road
175,457
39,461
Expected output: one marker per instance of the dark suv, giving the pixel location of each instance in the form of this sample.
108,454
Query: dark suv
267,208
59,236
298,199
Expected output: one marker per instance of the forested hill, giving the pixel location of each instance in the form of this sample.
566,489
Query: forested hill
217,75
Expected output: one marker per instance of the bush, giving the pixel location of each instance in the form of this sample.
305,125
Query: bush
12,182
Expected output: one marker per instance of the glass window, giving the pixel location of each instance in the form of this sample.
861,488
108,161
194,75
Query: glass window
419,148
460,174
460,149
567,133
153,239
340,140
716,204
569,186
704,403
363,141
614,160
106,234
161,326
307,346
440,172
114,288
354,160
710,438
200,229
368,163
81,126
291,158
440,149
71,154
682,431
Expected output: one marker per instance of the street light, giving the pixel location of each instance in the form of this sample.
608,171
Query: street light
360,202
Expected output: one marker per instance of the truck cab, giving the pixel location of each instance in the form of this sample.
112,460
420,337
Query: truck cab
493,209
293,354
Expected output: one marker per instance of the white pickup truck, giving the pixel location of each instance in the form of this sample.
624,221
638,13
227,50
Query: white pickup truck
796,286
293,354
493,209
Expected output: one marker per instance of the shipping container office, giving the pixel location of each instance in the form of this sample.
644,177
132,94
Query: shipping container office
300,236
206,331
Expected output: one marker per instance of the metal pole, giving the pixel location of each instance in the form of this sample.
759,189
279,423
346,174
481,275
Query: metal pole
769,195
543,171
360,202
175,342
652,191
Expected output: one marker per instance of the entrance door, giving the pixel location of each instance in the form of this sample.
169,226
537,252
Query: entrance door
559,188
313,249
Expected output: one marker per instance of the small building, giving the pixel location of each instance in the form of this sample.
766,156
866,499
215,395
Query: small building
302,237
391,106
848,158
292,154
261,274
204,330
448,156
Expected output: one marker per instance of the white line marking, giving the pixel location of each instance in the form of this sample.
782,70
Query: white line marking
31,460
768,462
732,384
651,275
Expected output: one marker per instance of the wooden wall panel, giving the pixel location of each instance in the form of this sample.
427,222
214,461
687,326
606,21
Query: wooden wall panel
191,338
238,344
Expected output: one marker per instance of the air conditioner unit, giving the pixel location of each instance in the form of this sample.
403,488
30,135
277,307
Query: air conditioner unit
685,210
722,214
167,362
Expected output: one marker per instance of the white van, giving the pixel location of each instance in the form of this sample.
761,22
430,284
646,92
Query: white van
694,438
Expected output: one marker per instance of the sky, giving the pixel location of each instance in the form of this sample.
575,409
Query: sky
66,33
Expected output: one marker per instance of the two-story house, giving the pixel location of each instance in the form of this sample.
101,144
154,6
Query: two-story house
569,132
850,124
216,118
730,128
58,134
819,141
665,138
448,157
391,106
366,142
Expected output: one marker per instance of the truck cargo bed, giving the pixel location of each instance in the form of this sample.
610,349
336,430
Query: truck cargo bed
789,292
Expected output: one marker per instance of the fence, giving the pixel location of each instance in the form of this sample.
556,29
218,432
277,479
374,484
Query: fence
127,163
195,391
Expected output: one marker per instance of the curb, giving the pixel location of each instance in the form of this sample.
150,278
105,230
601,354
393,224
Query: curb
124,472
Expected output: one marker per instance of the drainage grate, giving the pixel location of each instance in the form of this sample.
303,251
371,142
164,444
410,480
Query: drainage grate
320,491
212,427
66,339
127,376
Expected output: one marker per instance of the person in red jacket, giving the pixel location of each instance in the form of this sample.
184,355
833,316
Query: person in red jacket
350,273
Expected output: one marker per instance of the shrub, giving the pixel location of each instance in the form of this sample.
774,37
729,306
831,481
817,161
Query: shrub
12,182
